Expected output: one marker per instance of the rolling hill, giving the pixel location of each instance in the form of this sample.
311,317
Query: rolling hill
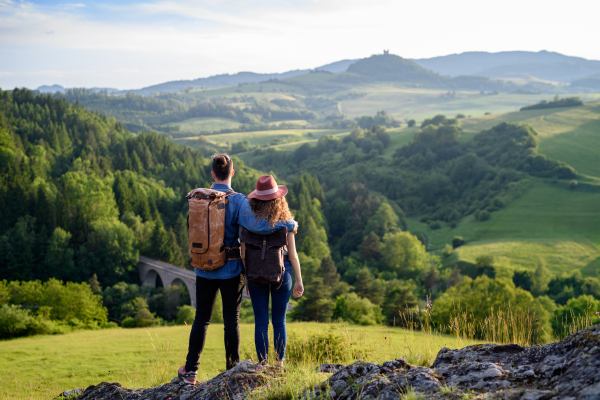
542,65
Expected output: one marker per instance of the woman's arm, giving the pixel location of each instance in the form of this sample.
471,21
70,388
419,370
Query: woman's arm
293,256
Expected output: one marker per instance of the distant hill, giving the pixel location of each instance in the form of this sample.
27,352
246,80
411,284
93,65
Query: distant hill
239,78
61,89
543,65
389,67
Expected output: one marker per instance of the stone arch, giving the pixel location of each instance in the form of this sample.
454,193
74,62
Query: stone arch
150,278
179,282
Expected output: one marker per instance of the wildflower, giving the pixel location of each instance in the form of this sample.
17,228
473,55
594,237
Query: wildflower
404,358
597,312
268,385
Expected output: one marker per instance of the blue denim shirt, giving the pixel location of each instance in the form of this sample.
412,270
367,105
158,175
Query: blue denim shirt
238,212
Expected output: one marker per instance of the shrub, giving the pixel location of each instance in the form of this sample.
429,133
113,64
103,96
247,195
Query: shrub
457,242
186,315
448,249
573,184
483,216
435,225
16,321
351,308
320,347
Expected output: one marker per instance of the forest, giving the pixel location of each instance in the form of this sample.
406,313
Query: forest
81,198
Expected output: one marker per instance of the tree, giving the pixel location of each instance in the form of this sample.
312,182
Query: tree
404,254
384,221
59,256
316,304
411,123
541,279
363,282
351,308
369,247
110,252
398,300
329,273
479,297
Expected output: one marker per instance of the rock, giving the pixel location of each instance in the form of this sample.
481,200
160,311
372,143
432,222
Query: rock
233,384
330,368
566,370
72,392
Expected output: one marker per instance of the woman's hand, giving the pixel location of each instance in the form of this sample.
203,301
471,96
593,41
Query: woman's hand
298,289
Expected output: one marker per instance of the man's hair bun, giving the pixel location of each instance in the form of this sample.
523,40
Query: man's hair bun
222,165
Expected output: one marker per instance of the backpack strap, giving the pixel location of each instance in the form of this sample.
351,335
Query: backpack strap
227,194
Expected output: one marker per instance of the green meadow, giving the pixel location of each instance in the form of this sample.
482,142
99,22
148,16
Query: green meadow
42,367
549,222
261,138
194,126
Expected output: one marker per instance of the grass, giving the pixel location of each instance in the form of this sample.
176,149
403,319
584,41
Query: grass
549,221
42,367
424,103
194,126
262,138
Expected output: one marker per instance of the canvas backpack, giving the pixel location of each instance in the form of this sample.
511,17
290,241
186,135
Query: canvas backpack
206,229
264,256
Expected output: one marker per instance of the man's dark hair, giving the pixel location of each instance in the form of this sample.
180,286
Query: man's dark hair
222,165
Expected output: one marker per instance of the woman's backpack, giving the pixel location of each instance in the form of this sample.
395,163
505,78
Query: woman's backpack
264,256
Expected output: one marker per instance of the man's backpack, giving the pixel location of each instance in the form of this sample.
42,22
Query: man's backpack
264,256
206,229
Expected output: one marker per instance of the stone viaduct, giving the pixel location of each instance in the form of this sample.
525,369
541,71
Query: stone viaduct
169,275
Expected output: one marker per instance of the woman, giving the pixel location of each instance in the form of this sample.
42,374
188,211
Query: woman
268,202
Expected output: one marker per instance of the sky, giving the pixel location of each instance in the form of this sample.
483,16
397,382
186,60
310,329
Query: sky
132,44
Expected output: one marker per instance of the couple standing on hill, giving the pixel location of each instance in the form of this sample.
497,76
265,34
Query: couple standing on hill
264,214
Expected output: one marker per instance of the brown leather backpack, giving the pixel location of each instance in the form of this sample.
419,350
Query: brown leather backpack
206,229
264,256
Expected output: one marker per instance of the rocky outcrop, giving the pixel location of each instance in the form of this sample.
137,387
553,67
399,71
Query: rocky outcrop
233,384
568,370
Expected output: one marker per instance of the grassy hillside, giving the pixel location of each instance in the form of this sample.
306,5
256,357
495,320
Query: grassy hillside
549,222
566,134
149,357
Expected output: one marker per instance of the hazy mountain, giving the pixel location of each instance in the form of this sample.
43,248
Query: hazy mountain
512,64
239,78
51,89
58,88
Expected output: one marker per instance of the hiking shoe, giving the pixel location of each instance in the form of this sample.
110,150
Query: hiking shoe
187,377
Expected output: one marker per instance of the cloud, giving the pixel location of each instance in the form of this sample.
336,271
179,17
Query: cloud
136,44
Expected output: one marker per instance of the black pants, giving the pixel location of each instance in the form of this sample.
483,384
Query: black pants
206,295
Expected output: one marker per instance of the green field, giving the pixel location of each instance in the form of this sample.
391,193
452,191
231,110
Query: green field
571,135
42,367
261,138
194,126
549,221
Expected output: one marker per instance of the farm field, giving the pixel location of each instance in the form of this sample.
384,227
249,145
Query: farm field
261,138
194,126
549,221
147,357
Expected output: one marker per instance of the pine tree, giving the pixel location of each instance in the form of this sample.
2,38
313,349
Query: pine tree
95,284
363,282
328,272
369,248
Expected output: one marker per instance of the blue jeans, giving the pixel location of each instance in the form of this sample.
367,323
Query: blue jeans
259,294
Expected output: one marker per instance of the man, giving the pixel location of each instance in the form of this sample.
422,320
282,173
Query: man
229,279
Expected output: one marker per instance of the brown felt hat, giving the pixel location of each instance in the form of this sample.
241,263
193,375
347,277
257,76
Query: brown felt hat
267,189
